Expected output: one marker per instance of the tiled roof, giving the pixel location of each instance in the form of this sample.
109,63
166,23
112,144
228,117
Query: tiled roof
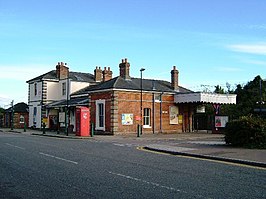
80,101
132,84
19,108
75,76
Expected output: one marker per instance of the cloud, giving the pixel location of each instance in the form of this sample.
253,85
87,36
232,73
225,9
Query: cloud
259,49
257,27
22,72
255,62
228,69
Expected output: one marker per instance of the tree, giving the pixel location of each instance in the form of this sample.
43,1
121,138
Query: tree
247,99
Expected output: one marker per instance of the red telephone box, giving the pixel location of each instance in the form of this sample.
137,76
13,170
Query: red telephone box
82,121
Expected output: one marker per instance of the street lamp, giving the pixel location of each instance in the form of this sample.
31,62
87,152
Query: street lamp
141,70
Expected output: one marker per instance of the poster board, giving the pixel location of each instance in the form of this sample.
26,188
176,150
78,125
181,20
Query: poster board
127,119
220,121
174,112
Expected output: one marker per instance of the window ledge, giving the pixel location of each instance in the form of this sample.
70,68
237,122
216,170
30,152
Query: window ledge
146,126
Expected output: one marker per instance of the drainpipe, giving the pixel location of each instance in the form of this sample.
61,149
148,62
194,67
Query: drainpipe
161,128
153,114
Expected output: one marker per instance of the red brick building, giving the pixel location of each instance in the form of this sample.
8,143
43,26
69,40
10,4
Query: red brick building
115,103
20,116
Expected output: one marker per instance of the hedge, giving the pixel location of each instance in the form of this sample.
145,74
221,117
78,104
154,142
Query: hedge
249,132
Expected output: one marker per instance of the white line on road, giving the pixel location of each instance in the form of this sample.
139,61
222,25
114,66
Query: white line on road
15,146
116,144
58,158
146,182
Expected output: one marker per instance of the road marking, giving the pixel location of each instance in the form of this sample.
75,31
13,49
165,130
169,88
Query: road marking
15,146
144,181
58,158
118,144
204,159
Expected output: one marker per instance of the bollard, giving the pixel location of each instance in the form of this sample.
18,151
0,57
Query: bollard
92,129
43,128
24,126
138,131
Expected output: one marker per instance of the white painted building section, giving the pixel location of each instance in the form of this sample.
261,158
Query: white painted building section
200,97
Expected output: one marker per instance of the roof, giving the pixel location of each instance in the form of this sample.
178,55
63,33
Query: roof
199,97
80,101
132,84
74,76
19,108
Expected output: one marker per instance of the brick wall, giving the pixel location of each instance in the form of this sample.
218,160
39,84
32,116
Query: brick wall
123,102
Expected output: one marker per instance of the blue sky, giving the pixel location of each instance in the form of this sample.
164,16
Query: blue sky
211,42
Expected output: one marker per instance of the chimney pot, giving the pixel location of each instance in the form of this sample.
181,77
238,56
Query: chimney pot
174,79
124,69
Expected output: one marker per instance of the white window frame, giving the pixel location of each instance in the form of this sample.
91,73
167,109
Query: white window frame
147,125
97,125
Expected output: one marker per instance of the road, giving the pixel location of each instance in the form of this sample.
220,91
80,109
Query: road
44,167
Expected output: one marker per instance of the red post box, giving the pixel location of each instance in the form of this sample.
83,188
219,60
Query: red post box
83,121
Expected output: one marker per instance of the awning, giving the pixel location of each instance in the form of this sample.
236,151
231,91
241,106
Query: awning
71,102
199,97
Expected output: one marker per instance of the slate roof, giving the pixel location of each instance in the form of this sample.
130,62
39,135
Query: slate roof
132,84
74,76
79,101
19,108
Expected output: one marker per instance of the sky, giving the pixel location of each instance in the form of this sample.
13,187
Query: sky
211,42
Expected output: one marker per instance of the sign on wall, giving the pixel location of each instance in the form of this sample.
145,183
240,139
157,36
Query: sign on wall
127,119
220,121
62,117
174,115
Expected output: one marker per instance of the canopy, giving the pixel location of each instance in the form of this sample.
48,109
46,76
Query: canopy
200,97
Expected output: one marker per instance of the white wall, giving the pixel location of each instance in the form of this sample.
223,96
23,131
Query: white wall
75,86
37,118
52,91
34,97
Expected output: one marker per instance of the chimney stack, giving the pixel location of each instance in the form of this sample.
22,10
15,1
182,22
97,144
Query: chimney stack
124,69
107,74
62,71
174,79
98,74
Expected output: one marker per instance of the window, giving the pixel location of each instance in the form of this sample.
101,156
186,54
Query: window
157,97
64,88
35,89
147,117
21,119
100,115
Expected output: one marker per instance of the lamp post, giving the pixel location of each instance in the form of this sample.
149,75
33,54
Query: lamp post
141,119
12,115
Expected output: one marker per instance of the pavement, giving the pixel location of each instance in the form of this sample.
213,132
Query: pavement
199,145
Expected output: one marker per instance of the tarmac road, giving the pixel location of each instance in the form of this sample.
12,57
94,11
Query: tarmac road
48,167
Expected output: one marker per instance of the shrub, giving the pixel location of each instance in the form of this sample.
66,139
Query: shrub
247,132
